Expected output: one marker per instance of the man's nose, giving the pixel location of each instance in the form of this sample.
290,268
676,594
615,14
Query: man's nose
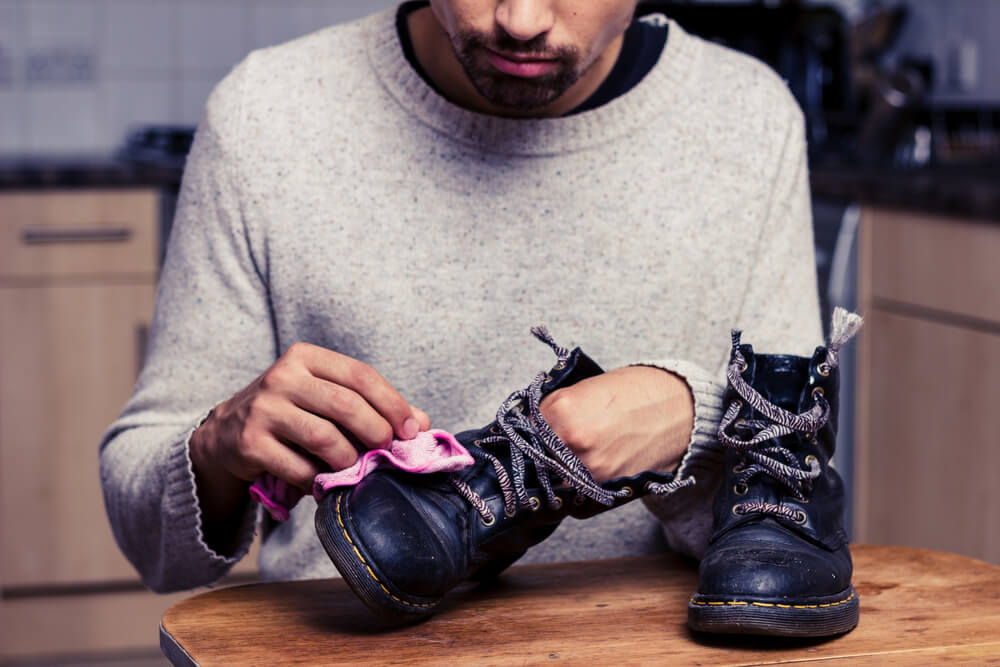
526,19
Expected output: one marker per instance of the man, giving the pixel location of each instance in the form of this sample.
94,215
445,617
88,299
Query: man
373,217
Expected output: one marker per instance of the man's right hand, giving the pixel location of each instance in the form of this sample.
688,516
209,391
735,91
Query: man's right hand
311,403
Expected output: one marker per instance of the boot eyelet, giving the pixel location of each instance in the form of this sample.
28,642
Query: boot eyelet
738,468
557,505
742,366
509,514
495,430
627,490
477,443
559,366
548,379
801,518
741,489
811,459
823,369
578,499
534,503
818,392
737,510
489,522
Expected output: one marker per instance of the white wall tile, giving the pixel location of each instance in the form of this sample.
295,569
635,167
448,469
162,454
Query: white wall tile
190,97
276,23
211,37
138,37
61,22
63,120
128,104
11,130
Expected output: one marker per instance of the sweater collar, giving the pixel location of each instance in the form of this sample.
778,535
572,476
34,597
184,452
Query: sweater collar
659,94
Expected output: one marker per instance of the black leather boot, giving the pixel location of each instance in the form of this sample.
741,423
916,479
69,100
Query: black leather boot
402,541
778,561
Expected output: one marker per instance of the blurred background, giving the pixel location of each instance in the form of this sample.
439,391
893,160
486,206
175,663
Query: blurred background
98,103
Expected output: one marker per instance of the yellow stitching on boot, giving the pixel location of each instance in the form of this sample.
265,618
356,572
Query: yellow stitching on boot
741,603
343,528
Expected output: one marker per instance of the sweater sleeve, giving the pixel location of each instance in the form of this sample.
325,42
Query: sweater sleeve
779,314
211,335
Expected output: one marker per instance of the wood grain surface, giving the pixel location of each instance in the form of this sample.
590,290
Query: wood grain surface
917,607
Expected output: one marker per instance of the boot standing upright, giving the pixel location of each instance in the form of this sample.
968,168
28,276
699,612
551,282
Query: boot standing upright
778,561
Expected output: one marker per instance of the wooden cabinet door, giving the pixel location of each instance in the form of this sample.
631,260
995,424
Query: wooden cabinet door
932,461
69,357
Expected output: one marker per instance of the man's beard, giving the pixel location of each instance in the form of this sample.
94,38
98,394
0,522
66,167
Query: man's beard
511,92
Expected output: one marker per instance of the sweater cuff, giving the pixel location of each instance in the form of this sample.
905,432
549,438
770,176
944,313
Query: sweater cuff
686,513
183,529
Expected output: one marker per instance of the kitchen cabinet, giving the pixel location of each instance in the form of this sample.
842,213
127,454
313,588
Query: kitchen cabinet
927,446
77,284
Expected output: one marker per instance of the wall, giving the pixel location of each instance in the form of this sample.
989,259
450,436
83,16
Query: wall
76,74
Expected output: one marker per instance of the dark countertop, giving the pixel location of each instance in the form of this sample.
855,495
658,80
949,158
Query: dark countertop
961,191
85,171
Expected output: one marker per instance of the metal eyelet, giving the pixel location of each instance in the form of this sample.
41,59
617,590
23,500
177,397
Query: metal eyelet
508,514
740,488
738,468
477,443
811,459
736,510
824,369
557,505
559,366
548,379
818,392
801,518
495,430
535,503
742,366
578,499
489,522
627,490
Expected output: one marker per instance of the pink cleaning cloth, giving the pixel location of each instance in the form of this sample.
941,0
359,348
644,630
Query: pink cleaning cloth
429,452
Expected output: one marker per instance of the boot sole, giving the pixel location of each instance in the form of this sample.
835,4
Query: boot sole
819,617
361,572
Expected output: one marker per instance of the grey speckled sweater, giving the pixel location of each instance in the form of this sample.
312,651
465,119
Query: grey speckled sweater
332,197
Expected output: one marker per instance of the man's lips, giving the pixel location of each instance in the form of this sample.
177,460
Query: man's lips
524,67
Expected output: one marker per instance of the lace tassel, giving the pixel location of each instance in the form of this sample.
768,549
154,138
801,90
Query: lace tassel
845,325
541,332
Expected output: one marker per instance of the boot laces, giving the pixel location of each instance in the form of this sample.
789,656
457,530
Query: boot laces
760,449
529,437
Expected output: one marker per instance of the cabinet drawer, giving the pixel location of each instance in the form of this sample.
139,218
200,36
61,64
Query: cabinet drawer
59,234
944,264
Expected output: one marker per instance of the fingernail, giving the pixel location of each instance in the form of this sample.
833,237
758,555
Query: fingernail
410,428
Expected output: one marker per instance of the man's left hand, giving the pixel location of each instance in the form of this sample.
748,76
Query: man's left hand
625,421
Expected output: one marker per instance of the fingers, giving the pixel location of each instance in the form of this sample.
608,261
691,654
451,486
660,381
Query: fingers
285,463
368,385
317,436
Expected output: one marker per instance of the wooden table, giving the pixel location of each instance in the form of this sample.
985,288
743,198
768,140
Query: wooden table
917,607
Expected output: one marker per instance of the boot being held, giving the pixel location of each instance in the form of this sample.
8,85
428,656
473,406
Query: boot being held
778,561
402,541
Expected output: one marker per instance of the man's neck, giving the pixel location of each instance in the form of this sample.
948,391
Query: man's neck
435,54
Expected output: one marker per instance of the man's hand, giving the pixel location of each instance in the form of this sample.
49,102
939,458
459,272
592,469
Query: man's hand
624,421
299,416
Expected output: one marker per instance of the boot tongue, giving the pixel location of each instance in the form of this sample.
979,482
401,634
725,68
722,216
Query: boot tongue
577,367
780,379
